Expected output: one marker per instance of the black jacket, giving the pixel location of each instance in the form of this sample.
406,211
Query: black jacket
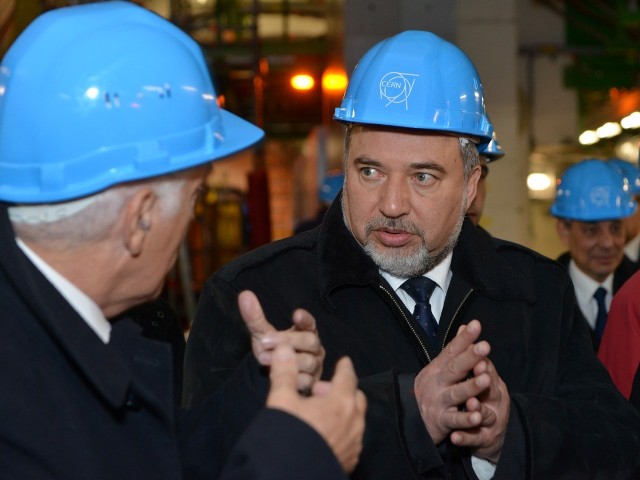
621,274
160,322
74,408
560,392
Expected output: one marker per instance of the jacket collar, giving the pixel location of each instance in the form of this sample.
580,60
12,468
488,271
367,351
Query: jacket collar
480,259
98,363
342,261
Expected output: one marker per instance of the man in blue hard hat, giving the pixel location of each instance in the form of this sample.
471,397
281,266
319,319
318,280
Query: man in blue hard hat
592,200
328,191
467,347
631,223
488,153
108,126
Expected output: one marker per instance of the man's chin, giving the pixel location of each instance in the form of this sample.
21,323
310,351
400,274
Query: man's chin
402,262
395,252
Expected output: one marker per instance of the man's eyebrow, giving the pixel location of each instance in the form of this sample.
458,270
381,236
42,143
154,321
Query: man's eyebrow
367,161
428,166
415,165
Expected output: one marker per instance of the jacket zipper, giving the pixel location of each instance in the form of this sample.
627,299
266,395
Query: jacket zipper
444,339
455,314
424,349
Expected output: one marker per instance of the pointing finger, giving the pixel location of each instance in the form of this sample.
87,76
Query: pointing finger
304,321
253,315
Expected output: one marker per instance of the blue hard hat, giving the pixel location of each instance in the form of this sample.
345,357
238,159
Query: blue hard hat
628,170
592,191
99,94
417,80
492,150
330,187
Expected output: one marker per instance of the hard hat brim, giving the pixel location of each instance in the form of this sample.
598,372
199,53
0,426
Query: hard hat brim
239,135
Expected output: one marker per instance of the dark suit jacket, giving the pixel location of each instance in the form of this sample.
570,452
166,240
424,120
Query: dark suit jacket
624,271
160,322
73,407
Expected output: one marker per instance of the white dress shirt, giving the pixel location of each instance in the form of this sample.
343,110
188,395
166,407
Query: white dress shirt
86,308
585,287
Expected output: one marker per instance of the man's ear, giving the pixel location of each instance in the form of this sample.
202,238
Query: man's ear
563,227
138,213
472,185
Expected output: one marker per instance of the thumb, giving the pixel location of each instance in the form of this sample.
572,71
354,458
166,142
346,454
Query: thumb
252,314
283,375
345,379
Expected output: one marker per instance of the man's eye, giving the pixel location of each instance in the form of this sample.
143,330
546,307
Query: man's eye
369,172
423,178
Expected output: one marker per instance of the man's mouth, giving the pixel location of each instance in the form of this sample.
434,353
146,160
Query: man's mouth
390,237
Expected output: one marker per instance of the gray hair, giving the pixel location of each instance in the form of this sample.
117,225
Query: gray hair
88,220
468,150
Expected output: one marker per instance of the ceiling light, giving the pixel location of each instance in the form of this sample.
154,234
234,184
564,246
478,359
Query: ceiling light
302,81
588,137
631,121
609,129
538,181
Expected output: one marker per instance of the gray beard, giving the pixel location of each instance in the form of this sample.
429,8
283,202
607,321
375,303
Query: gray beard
399,262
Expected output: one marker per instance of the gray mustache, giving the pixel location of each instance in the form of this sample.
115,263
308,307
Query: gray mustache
393,224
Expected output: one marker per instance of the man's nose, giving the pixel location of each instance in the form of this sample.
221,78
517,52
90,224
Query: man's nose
395,197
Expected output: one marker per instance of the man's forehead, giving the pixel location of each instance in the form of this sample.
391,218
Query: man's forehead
358,128
596,223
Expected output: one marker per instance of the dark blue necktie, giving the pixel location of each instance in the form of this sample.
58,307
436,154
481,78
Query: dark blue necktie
420,289
601,318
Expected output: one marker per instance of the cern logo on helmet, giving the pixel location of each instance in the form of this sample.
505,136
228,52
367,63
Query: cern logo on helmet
396,87
600,196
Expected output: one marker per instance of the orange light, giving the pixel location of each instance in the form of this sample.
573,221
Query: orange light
302,81
334,81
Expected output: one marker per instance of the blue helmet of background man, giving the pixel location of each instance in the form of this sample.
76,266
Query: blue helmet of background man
331,186
491,151
417,80
628,170
105,93
591,191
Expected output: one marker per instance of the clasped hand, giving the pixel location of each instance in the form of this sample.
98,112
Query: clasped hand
461,396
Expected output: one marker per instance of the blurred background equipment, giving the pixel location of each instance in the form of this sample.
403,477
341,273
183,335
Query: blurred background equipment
327,193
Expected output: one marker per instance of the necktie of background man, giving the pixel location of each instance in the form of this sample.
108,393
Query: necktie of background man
600,294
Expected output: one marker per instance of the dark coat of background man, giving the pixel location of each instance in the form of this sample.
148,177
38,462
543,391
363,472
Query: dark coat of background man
510,387
108,126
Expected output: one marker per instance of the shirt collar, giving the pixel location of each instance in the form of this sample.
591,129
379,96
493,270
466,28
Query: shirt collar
585,287
439,274
86,308
584,283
